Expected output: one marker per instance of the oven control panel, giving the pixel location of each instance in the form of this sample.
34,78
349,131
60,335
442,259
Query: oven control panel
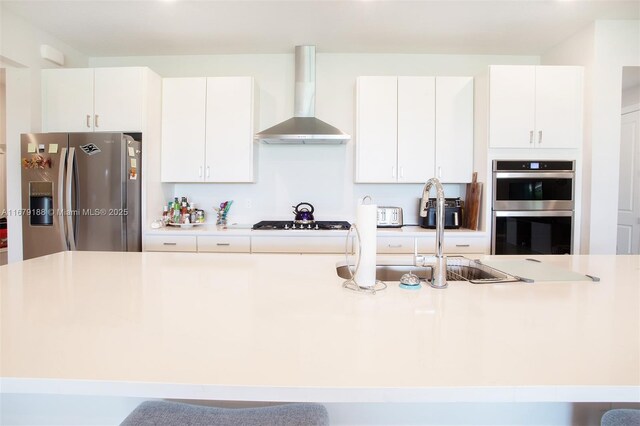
520,165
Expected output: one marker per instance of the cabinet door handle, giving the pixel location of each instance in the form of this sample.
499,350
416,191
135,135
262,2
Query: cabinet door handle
462,245
394,245
439,172
393,171
200,171
402,172
208,172
531,137
96,120
539,136
223,244
89,120
169,244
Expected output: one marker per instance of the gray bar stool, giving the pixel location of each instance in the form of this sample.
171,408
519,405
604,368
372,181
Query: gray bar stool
165,413
621,417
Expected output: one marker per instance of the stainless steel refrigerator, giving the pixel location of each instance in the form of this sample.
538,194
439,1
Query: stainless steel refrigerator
81,191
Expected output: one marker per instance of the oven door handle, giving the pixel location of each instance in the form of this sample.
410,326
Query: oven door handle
532,213
543,175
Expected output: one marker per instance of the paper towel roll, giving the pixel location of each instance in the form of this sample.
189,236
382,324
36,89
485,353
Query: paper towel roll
366,222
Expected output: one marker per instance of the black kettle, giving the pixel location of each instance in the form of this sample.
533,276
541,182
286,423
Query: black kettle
303,214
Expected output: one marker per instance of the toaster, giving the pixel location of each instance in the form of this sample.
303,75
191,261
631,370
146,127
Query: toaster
389,217
452,214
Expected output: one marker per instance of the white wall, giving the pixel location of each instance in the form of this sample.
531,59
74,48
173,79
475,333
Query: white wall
20,44
603,48
20,55
322,176
617,45
3,146
631,96
579,50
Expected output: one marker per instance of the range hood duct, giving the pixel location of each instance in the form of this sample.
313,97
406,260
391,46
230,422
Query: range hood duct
304,127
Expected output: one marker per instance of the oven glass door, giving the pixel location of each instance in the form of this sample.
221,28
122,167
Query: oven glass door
533,191
532,232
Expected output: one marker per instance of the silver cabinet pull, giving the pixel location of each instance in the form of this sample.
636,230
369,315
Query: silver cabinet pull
394,245
89,120
393,171
539,136
200,171
440,172
169,244
208,172
462,245
96,120
402,172
531,136
223,244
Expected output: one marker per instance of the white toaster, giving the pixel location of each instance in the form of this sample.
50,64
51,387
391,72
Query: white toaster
389,217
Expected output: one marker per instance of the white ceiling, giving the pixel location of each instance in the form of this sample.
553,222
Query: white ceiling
163,27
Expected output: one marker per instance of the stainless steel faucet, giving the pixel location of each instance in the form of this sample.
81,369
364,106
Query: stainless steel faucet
438,262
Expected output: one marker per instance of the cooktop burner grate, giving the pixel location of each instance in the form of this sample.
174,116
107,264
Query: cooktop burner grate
288,224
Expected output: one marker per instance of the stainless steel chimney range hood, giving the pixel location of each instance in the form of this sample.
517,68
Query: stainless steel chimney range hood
304,127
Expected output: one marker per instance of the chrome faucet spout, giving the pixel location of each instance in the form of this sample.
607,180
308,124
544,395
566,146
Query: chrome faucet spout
439,263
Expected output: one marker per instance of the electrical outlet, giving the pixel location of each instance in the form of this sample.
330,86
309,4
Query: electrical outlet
247,203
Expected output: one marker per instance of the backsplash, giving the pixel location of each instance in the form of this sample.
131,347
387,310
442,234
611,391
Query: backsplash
320,175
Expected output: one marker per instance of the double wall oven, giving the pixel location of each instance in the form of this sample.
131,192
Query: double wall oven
533,207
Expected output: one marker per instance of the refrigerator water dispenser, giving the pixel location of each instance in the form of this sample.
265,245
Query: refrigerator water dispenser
41,203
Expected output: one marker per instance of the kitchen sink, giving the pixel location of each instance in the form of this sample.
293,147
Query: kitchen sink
458,269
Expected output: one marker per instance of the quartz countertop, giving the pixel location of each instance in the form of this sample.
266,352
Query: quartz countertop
280,327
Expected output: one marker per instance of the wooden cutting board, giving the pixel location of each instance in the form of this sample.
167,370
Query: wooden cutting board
472,203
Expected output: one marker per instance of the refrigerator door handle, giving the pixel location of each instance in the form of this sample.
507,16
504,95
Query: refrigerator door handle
61,211
68,213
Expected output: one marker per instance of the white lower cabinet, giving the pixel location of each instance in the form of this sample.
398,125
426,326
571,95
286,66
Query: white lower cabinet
170,243
299,244
452,245
224,244
386,244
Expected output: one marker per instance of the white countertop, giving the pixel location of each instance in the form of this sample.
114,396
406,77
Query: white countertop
279,327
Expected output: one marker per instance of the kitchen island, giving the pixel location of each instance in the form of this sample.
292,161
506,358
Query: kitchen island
280,327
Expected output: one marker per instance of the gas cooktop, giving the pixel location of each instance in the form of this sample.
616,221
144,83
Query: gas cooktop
316,225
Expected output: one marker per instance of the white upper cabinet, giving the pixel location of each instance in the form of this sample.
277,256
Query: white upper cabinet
207,129
535,106
376,129
183,129
454,129
409,129
230,130
118,99
93,99
67,100
416,128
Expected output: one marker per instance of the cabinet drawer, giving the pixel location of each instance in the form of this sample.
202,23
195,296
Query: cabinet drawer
170,243
388,245
465,245
230,244
302,244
